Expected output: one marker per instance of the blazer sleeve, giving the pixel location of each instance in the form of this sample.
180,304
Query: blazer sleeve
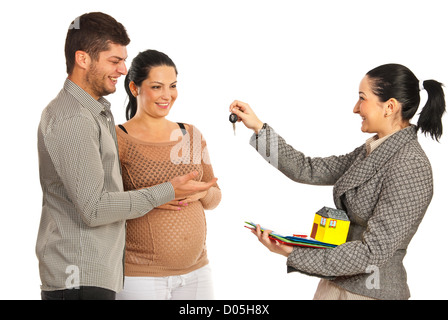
404,196
295,165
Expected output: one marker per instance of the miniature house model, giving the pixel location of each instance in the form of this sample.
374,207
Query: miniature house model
330,226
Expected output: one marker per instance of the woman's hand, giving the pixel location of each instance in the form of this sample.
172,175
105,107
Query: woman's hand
194,197
246,115
178,204
174,205
271,244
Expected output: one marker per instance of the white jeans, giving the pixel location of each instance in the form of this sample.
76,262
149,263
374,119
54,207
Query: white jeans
326,290
196,285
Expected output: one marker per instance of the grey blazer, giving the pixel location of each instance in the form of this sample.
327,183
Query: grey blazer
385,195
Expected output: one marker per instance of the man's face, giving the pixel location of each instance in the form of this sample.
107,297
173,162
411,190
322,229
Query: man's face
102,75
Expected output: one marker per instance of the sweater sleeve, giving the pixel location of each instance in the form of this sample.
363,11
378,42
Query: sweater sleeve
213,196
212,199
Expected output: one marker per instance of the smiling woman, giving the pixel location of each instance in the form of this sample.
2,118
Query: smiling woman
157,92
166,256
163,74
375,185
378,117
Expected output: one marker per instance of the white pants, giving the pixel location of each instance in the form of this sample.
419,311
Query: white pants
326,290
196,285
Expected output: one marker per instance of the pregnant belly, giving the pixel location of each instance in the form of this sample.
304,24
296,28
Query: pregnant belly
173,239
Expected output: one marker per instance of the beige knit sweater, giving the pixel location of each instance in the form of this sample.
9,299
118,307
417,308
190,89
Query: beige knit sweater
163,242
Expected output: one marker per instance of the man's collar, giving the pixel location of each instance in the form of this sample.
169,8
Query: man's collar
85,99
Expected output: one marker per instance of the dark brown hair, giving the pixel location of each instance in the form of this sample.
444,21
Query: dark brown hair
92,33
396,81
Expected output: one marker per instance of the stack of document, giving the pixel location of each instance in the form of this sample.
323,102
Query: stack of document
301,241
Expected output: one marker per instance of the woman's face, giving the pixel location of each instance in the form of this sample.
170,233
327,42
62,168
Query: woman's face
158,92
371,109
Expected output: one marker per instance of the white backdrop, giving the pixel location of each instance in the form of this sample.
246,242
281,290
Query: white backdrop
298,63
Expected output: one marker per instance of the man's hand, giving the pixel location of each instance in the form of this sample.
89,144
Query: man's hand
185,186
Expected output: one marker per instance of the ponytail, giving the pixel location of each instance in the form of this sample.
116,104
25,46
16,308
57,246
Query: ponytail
430,118
397,81
131,107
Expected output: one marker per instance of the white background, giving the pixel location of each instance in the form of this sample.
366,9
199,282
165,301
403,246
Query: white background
298,63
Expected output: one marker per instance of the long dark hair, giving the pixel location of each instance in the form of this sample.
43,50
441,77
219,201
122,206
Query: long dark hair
139,71
396,81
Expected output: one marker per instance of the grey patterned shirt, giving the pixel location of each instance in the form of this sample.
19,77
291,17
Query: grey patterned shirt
81,236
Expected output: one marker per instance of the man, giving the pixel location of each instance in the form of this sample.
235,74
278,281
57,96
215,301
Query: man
81,237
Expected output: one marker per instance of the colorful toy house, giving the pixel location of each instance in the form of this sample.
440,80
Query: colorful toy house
330,226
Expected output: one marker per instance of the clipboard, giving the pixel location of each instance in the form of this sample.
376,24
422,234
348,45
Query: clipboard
301,241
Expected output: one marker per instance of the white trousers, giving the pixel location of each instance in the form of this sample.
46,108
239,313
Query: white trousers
196,285
326,290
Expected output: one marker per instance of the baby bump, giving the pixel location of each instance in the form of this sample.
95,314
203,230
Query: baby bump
174,239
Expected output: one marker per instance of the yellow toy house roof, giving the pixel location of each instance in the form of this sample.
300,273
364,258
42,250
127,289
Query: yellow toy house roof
333,214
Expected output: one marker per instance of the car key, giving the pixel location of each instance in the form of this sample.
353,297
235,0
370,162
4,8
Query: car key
233,118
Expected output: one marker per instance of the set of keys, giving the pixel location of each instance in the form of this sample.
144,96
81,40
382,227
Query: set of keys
233,118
